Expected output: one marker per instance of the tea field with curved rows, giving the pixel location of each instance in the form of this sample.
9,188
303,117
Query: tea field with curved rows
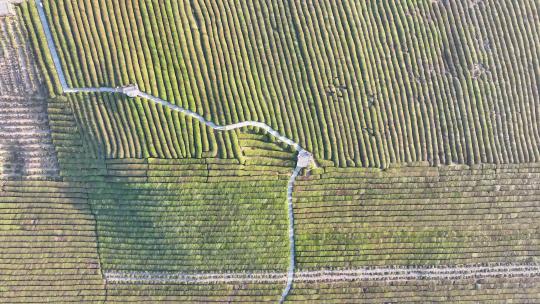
361,84
422,117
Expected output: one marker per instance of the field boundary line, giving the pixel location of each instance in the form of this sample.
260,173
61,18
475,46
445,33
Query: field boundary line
304,160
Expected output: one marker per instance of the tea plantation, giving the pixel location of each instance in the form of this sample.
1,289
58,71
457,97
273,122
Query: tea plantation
171,151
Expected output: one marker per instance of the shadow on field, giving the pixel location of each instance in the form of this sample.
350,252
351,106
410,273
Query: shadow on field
13,164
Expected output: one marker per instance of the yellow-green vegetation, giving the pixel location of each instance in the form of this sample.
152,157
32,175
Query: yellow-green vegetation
195,293
364,83
48,245
422,117
418,215
492,290
192,216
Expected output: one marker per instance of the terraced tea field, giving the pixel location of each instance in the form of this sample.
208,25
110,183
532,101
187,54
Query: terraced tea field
26,150
484,214
48,250
288,152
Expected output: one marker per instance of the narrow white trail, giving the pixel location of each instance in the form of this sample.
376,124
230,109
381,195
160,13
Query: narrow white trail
305,158
382,274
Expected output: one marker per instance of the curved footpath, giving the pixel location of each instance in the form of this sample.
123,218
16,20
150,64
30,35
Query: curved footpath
304,160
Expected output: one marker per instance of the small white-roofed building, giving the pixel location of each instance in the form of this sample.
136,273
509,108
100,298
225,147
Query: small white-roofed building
131,90
304,159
